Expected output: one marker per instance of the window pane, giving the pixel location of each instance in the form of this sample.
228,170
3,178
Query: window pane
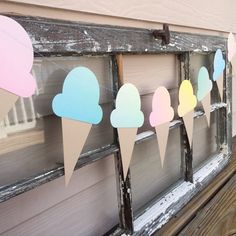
31,138
204,137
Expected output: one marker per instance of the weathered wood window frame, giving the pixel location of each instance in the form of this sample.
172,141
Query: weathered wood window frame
116,41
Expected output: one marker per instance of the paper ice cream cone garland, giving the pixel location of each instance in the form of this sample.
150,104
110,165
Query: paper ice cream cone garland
78,104
127,118
82,87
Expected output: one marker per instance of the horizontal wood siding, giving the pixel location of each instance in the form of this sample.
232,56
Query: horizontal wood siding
196,14
33,203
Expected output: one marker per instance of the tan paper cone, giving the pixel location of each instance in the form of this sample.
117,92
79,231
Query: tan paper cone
233,63
206,103
126,139
162,132
75,134
7,100
188,122
220,84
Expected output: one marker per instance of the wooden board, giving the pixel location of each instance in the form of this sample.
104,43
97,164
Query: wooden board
218,217
148,72
200,14
177,223
90,212
76,38
23,207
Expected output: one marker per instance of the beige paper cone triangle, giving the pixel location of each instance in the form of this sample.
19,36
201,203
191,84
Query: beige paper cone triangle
188,122
220,84
233,63
162,132
206,103
7,101
75,134
126,139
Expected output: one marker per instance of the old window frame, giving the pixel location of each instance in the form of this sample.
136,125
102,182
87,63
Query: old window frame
116,41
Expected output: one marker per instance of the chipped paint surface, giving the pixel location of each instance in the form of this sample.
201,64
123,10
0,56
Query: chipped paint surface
144,135
163,209
57,37
205,48
218,105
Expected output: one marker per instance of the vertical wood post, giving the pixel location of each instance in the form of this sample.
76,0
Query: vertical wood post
186,148
123,185
228,101
224,115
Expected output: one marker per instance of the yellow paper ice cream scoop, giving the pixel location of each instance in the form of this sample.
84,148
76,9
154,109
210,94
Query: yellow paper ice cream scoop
187,100
187,103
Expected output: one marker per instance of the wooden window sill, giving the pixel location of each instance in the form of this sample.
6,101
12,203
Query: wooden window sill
211,194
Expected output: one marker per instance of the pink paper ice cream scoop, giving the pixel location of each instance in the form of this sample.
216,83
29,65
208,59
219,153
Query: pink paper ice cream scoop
16,58
162,111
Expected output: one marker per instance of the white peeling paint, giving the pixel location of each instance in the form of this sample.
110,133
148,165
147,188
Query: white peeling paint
109,48
69,45
129,47
218,105
229,109
178,47
144,135
171,44
96,46
205,48
162,205
175,122
160,208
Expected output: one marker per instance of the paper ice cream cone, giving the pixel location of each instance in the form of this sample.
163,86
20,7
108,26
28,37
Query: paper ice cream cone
126,139
220,84
162,132
7,102
188,122
233,63
75,134
206,103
